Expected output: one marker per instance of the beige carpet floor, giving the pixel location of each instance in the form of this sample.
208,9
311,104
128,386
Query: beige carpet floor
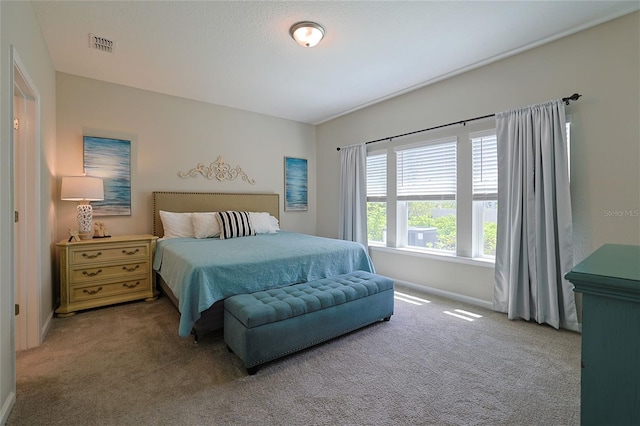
126,365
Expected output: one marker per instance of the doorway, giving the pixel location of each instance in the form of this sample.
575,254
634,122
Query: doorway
26,189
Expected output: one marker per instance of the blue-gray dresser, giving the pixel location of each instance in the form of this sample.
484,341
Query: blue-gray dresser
609,280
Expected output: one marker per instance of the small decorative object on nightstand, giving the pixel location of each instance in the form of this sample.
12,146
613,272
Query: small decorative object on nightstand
100,230
105,271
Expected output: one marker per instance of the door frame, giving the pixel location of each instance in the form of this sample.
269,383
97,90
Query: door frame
25,185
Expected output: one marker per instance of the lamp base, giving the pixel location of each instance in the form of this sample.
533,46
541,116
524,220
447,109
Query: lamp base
85,235
85,221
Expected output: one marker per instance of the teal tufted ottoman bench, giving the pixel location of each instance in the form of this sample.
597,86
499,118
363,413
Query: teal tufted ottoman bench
266,325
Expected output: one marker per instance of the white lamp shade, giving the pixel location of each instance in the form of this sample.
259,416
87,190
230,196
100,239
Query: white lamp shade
307,34
82,188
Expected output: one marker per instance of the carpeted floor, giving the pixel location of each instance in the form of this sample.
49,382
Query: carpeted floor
126,365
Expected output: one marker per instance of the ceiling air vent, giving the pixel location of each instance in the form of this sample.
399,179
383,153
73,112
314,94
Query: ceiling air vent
101,43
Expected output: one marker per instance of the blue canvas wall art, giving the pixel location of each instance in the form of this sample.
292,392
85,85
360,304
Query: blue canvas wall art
295,184
110,159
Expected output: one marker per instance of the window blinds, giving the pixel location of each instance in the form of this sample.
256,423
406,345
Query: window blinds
485,167
427,172
377,177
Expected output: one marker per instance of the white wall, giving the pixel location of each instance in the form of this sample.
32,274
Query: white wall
600,63
170,134
20,29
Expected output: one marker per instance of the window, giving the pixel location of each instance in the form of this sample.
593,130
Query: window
426,193
439,196
485,193
377,198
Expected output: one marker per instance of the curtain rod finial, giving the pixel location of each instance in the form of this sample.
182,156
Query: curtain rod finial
573,97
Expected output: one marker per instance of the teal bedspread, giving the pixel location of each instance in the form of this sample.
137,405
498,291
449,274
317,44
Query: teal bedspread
201,272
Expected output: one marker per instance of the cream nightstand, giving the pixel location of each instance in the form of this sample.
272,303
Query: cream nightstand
105,271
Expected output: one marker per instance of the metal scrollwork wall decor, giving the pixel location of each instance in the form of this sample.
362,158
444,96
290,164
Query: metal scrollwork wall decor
218,170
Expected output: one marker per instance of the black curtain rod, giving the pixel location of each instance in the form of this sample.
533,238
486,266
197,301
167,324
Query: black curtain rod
566,100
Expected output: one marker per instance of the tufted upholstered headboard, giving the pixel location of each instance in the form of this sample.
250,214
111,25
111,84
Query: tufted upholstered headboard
182,202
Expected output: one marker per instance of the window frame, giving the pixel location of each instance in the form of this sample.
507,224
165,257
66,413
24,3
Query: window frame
477,212
467,248
378,198
402,208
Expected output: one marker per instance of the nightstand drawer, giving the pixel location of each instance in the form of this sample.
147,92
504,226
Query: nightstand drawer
113,271
108,253
99,291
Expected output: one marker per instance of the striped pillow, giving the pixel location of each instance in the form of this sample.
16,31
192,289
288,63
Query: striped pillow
234,224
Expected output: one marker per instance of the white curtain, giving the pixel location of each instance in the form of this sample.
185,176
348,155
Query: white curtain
534,247
353,194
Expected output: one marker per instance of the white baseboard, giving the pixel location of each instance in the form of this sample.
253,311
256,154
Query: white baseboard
46,326
449,295
6,408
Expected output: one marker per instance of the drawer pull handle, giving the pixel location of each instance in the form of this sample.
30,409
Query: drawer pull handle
92,256
91,292
129,253
124,268
131,285
91,274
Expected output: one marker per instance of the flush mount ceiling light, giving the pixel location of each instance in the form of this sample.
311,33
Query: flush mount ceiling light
307,34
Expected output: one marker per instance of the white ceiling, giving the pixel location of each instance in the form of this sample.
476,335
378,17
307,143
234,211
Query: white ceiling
240,54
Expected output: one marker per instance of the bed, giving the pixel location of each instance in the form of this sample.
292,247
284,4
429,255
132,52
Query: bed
197,274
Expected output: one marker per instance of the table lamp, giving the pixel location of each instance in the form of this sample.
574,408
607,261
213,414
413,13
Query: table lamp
83,189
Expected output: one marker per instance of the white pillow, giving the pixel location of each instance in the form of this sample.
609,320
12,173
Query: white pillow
274,225
177,225
263,223
205,225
